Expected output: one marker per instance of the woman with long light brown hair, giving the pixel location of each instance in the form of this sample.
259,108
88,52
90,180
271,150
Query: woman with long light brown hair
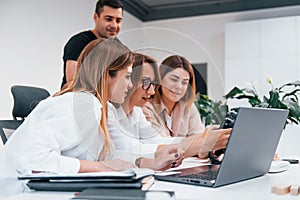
67,133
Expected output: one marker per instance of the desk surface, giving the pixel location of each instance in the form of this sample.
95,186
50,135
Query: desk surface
255,188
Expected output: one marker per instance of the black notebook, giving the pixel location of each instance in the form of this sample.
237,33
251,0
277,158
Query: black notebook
112,194
78,182
123,194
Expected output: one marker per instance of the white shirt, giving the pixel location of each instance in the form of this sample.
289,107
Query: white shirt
58,133
133,133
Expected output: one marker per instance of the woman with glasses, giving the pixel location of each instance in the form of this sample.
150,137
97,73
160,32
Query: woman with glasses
131,132
172,111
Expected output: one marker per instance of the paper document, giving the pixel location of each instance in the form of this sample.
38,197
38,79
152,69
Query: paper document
48,175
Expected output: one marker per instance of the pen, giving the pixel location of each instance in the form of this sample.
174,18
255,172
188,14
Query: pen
291,161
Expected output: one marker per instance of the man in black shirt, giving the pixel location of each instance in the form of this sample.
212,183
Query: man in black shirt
108,21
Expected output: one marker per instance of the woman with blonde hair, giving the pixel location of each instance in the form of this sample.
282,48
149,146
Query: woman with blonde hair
67,133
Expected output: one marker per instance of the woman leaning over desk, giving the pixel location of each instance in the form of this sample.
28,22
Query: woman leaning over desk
67,133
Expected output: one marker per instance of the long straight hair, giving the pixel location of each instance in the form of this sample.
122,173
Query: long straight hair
98,60
168,65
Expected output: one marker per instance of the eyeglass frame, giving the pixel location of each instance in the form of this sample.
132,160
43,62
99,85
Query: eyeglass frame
146,81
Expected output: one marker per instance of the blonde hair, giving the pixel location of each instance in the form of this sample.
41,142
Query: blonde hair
98,60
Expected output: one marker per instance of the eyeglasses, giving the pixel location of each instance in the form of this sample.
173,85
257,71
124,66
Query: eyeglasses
146,84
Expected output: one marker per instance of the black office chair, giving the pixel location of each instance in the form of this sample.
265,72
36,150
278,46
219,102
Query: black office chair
25,99
7,127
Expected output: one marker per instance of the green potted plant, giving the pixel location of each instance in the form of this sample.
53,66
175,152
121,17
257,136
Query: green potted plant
284,97
211,112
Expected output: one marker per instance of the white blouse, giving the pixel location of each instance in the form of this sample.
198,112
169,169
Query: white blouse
133,133
58,133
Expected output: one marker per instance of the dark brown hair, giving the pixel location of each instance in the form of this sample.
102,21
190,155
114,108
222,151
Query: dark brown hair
111,3
137,67
139,60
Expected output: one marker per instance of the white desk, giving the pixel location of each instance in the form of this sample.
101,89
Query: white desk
259,188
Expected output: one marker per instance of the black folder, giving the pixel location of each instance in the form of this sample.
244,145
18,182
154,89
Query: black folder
112,194
79,182
123,194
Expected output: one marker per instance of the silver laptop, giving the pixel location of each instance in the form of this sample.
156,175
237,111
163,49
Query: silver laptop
249,153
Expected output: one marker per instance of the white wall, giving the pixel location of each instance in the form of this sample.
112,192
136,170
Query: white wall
32,36
263,47
201,39
258,48
33,33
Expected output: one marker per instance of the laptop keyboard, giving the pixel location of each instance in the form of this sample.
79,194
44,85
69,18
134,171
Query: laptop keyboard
211,175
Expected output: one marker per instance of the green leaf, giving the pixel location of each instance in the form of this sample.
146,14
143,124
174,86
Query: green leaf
294,83
250,91
232,93
212,112
292,93
254,101
294,109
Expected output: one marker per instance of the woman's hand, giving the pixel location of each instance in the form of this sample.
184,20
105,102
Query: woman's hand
213,139
166,157
200,144
170,156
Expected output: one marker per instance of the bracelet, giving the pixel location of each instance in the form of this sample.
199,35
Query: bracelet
138,162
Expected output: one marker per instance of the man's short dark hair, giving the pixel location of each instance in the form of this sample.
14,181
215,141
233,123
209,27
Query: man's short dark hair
110,3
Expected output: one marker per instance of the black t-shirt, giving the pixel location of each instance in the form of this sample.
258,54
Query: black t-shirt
74,47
